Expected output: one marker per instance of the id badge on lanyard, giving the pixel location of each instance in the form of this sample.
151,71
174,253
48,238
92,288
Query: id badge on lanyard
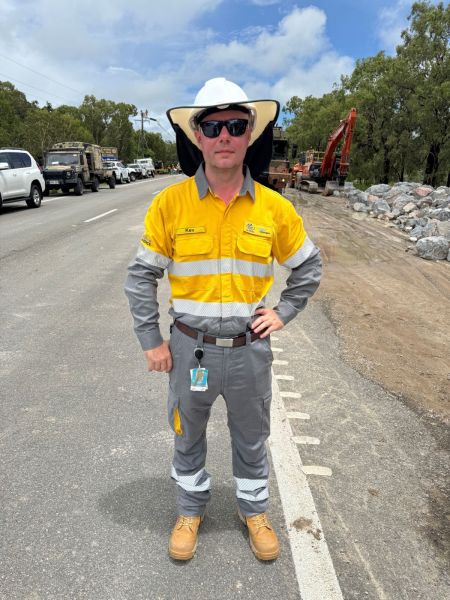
199,376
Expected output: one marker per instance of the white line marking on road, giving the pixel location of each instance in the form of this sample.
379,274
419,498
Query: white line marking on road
274,339
277,350
313,565
298,415
280,362
306,439
290,395
284,377
100,216
154,193
317,470
53,199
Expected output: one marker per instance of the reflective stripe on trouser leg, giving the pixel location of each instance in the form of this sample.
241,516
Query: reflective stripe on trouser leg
193,481
253,490
247,392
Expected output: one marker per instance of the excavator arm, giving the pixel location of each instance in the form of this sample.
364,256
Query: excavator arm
344,129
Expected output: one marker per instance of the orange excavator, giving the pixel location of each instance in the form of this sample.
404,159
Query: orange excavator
326,170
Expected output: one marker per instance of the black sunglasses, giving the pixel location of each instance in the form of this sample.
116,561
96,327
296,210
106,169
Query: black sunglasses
235,127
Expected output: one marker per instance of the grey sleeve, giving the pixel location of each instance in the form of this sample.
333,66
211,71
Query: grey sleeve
140,287
301,284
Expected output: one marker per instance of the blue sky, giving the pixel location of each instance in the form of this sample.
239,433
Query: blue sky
158,54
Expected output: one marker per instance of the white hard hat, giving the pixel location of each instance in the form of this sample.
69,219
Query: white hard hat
221,94
220,91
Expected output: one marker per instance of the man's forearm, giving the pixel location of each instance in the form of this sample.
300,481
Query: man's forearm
141,287
300,286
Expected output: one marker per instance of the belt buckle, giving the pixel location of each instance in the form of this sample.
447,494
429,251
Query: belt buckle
224,342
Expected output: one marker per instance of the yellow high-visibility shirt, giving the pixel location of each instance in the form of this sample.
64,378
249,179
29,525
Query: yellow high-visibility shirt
220,257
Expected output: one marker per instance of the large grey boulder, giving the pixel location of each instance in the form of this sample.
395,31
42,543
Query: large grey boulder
441,194
431,229
416,233
433,248
357,196
401,201
380,207
379,189
443,228
441,214
360,207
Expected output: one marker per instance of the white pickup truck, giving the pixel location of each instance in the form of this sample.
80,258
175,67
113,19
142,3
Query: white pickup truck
147,164
120,172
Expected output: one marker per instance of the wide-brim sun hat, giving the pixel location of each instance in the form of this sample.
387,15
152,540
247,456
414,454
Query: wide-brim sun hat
223,94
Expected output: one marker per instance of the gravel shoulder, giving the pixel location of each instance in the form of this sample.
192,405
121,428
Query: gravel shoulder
390,308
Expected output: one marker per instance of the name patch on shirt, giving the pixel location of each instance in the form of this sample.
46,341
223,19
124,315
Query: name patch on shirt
185,230
259,230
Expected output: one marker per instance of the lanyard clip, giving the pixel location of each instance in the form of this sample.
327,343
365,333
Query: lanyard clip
198,353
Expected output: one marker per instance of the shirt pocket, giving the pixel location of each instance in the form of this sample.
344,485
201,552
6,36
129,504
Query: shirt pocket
255,253
258,247
193,245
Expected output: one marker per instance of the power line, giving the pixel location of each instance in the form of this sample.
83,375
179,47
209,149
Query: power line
35,88
42,74
163,128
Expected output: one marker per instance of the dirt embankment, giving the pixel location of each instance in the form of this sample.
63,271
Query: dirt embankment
391,308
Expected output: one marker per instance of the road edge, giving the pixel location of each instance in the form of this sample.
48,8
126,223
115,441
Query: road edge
314,567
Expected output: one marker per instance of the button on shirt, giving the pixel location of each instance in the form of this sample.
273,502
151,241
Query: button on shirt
219,257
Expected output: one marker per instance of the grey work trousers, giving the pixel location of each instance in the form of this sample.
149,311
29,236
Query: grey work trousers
243,376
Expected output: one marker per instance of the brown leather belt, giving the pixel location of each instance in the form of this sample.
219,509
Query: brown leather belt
233,342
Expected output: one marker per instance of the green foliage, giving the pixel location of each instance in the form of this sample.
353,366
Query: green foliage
43,128
103,122
403,103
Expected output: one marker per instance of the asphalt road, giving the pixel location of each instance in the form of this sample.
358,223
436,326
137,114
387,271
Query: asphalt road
85,449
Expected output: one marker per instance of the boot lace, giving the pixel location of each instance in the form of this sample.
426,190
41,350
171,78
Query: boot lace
184,521
261,521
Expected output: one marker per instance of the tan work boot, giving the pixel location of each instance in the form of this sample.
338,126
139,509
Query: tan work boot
263,539
183,539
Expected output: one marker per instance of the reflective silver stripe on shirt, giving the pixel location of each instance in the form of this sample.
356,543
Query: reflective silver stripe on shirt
190,482
214,309
153,258
215,266
301,255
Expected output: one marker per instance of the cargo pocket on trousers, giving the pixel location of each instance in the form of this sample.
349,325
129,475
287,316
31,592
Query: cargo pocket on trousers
174,413
267,400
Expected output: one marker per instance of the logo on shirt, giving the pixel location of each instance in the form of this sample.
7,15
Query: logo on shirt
259,230
146,241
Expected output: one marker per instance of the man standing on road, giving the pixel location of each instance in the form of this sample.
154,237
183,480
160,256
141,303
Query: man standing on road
217,234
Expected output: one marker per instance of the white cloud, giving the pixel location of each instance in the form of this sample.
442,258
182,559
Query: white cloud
296,58
391,23
316,80
155,55
299,36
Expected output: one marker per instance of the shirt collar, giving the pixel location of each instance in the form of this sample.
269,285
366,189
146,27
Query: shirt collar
248,184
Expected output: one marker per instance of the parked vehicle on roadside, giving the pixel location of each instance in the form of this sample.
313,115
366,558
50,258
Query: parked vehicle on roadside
137,170
120,172
147,163
76,166
20,178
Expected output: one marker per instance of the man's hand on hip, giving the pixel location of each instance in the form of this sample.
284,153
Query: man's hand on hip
160,358
267,322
